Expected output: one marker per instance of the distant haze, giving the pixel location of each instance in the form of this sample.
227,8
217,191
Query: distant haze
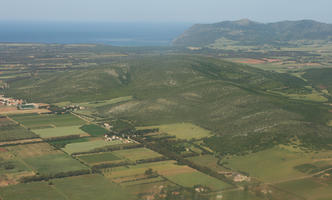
193,11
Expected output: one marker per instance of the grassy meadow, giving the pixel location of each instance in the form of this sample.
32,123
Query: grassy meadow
88,146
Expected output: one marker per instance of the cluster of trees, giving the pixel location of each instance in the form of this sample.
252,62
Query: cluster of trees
67,137
97,168
161,158
146,131
45,177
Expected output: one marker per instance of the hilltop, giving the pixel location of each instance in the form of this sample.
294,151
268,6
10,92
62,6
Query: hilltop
247,32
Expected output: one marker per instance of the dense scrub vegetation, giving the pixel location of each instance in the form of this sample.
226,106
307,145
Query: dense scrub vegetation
226,98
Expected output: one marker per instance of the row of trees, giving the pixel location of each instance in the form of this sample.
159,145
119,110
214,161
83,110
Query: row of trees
46,177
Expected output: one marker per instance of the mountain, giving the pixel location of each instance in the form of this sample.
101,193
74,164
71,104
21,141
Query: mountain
246,32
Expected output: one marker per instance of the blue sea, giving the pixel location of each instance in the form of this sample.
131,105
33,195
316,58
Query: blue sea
117,34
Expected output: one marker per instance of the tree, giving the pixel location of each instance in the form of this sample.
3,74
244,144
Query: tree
148,172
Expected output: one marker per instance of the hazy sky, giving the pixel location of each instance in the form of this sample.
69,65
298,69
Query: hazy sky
196,11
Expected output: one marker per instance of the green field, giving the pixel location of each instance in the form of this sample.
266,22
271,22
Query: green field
136,154
98,157
15,132
94,130
47,120
88,146
185,131
59,131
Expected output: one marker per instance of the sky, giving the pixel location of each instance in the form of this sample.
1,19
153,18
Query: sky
193,11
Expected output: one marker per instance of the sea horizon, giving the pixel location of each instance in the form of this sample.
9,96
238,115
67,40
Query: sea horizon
110,33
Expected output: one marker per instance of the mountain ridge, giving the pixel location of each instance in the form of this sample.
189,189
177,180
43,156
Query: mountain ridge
247,32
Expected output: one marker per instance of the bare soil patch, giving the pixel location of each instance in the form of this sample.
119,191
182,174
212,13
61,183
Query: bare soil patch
250,61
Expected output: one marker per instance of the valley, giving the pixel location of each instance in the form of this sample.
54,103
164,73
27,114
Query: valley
178,122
